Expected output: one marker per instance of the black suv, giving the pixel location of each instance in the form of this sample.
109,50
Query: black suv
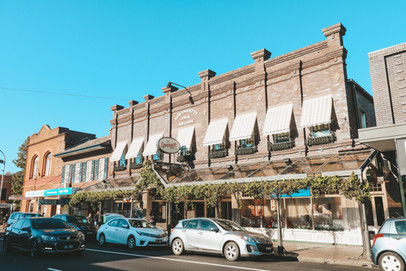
80,223
43,236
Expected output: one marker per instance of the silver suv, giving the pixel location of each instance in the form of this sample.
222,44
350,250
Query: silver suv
389,245
218,236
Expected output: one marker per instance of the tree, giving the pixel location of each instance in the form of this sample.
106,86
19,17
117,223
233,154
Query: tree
18,177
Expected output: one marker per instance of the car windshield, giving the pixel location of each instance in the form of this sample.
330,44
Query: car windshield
140,224
32,215
77,219
229,225
48,223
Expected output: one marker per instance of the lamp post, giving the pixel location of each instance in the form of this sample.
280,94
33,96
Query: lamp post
190,94
2,176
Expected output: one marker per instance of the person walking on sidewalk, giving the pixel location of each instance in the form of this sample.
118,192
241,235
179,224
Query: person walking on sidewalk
5,221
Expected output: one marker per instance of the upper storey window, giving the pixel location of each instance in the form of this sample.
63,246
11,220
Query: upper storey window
278,125
151,148
185,138
316,117
216,138
34,167
134,153
118,156
47,170
244,133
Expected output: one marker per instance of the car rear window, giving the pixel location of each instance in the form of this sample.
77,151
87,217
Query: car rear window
401,226
49,223
192,224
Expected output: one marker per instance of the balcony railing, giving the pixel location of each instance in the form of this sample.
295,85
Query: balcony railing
218,154
281,145
120,168
321,140
246,150
135,166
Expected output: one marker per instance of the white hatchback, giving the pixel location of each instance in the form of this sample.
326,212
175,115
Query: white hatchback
132,232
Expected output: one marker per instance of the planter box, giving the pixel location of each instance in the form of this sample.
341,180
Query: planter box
321,140
248,150
281,145
218,154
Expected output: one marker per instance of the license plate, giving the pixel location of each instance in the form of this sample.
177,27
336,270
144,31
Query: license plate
68,247
89,232
268,248
159,241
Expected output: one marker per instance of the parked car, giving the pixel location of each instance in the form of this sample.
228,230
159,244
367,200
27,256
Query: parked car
19,215
80,223
389,245
109,216
131,232
43,235
218,236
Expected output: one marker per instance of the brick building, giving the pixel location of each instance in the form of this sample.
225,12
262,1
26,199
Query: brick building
42,175
286,117
5,202
388,77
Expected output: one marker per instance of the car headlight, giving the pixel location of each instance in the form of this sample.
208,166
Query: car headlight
81,236
48,238
145,234
248,238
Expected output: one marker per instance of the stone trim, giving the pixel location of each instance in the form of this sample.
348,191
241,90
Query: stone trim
388,51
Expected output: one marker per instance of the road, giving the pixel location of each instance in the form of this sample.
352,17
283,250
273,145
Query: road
112,257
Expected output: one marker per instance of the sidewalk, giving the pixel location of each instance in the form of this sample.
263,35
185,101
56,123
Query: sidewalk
322,253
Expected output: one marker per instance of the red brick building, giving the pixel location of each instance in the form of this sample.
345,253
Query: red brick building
291,116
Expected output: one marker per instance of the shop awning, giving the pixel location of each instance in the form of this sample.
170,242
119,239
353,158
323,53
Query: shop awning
135,148
118,151
316,111
278,120
185,136
151,147
215,132
243,126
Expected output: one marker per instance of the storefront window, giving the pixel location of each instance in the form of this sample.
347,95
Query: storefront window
255,213
328,214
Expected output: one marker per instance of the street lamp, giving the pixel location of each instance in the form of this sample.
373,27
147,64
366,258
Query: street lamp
2,176
190,94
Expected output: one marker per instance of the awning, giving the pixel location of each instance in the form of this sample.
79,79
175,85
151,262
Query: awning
243,126
185,136
118,151
317,111
135,148
151,147
278,120
215,132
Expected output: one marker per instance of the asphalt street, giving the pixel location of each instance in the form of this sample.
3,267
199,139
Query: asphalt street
113,257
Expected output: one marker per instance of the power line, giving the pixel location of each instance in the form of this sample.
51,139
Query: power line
61,94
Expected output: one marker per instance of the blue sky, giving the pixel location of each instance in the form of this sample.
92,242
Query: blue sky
123,50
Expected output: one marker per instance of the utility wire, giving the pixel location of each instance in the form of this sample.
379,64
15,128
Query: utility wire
62,94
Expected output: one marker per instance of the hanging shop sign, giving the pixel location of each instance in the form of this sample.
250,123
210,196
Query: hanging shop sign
168,145
301,194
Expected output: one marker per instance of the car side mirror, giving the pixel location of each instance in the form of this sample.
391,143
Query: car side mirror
27,229
214,229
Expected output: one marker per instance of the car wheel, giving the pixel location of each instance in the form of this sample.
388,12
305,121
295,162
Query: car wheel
177,247
231,251
131,242
34,251
102,240
6,245
391,261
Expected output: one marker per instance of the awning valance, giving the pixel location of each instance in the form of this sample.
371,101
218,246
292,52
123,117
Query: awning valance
243,126
118,151
135,148
185,136
151,147
215,132
278,120
316,111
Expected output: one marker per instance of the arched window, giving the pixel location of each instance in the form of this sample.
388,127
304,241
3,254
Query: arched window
34,167
47,170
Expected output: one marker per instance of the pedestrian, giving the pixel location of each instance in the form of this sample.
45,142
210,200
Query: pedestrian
5,221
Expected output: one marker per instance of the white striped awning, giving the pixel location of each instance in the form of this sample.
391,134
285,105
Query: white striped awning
278,120
135,148
316,111
185,136
151,147
215,132
243,126
118,151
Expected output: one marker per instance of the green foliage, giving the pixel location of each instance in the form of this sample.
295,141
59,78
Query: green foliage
21,155
17,185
